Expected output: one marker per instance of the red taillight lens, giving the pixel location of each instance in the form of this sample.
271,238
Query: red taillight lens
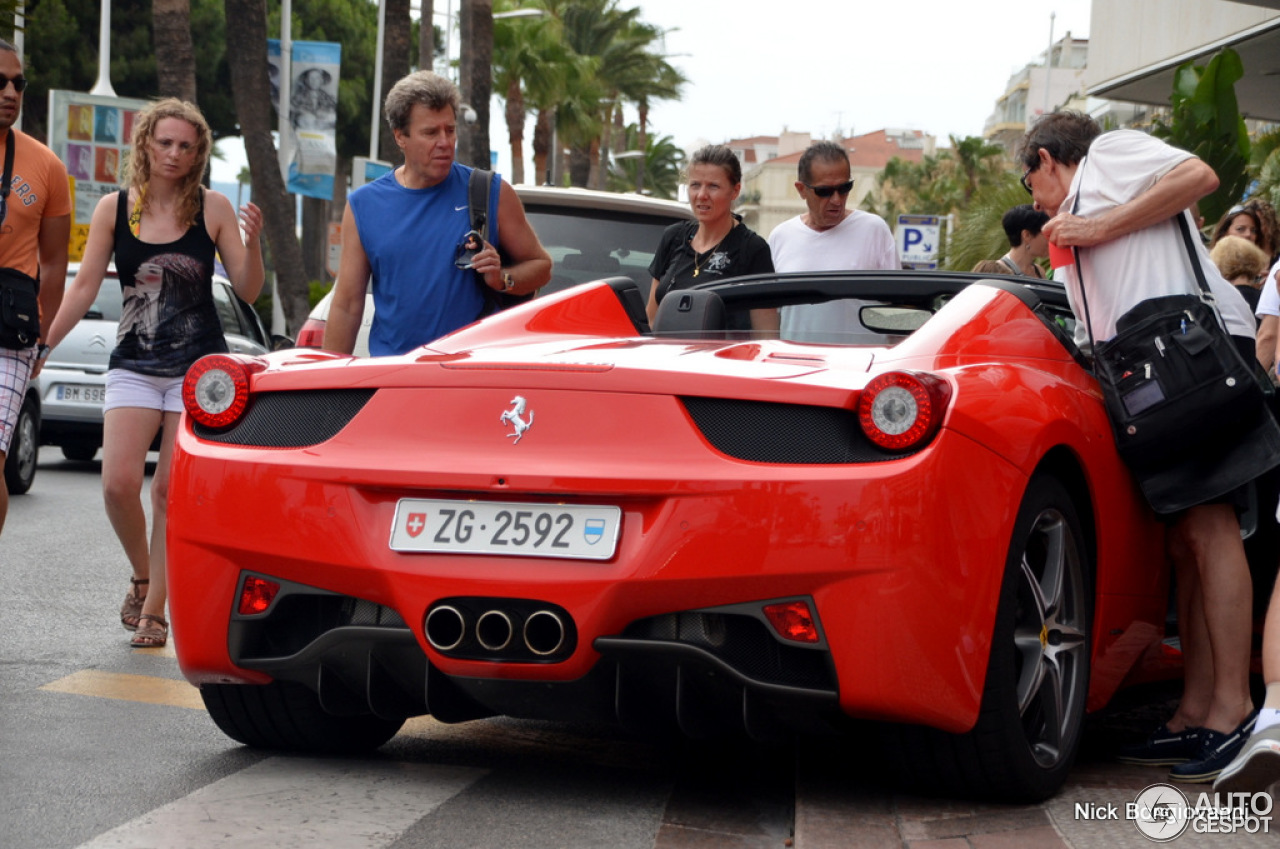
793,621
311,335
901,410
256,595
216,390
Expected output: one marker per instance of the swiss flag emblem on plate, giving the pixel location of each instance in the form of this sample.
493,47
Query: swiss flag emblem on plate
415,524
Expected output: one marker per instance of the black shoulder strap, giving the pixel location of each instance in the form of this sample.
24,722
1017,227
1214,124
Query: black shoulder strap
8,165
478,199
1206,294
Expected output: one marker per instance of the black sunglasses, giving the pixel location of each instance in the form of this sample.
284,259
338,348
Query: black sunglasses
1024,181
828,191
19,83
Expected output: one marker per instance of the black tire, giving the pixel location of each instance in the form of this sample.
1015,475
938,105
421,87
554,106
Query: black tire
24,448
287,716
81,452
1033,704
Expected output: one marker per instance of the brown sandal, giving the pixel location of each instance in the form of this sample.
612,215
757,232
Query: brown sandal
150,636
132,608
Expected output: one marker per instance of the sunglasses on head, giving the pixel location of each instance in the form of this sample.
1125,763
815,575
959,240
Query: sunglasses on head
828,191
19,83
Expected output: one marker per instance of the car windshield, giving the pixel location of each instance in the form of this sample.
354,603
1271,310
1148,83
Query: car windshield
106,306
588,244
824,308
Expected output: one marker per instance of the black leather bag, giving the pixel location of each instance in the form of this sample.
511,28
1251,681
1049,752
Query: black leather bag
1190,416
19,309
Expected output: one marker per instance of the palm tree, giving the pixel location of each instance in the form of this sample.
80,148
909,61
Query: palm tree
656,171
623,69
175,52
979,234
247,57
530,65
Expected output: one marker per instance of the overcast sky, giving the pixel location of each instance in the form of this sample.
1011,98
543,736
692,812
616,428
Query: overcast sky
756,68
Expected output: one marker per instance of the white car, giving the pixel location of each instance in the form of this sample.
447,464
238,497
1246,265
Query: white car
589,235
63,406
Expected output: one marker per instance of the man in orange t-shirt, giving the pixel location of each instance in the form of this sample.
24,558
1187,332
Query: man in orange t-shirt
34,232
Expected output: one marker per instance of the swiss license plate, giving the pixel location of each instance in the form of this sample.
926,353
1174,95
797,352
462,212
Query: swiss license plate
86,394
512,528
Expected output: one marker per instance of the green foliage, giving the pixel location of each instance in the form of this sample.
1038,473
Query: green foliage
1264,164
979,234
1205,120
62,53
317,289
663,163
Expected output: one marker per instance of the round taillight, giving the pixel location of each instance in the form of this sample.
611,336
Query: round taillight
901,410
216,390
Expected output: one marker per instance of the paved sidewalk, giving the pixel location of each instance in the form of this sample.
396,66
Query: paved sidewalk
839,808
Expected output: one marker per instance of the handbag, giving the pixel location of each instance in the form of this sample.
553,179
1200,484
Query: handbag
1190,416
19,293
19,309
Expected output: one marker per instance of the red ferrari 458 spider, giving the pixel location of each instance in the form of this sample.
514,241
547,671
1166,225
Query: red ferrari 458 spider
902,512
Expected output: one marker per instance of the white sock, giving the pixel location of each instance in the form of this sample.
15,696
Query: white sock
1267,717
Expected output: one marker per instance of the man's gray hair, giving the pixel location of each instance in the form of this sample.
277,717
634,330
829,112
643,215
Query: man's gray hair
824,151
430,89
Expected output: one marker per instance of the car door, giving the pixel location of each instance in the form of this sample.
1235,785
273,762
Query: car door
240,325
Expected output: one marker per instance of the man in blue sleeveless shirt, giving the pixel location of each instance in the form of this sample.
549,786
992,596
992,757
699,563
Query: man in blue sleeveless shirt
405,230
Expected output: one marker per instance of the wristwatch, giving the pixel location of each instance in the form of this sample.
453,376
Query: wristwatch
42,351
508,282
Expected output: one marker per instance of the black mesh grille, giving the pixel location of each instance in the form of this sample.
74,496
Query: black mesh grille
764,432
742,642
291,419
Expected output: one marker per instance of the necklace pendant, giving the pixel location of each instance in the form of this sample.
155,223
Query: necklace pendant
695,272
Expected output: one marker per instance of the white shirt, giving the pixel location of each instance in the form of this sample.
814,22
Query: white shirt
1147,263
1269,300
861,240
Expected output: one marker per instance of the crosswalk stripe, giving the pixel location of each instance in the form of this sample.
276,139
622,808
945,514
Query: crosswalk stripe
130,688
293,803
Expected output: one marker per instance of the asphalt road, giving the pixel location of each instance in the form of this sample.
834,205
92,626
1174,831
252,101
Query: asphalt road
105,746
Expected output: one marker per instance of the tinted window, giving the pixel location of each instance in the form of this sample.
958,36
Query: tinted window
588,244
227,312
109,301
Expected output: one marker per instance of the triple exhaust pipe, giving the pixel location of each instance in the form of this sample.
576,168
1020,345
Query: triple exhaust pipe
451,629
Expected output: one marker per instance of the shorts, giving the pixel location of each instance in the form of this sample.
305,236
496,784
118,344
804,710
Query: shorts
130,389
15,372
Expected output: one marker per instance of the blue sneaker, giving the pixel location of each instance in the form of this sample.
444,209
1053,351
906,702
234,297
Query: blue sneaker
1216,751
1163,748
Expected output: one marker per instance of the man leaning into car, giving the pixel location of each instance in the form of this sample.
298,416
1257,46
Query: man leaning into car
407,228
35,225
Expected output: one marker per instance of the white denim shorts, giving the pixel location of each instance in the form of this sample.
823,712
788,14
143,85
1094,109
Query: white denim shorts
129,389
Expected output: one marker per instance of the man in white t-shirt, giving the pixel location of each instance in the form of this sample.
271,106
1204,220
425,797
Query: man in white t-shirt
1114,197
829,237
1268,313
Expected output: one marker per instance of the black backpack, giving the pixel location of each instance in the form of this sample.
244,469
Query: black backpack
478,191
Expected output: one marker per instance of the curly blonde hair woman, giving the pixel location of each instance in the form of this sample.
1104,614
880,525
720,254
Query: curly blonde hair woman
165,233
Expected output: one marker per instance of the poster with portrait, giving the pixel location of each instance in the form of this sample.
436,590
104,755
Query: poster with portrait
311,103
90,134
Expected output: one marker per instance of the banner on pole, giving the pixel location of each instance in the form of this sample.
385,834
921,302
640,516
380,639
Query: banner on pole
310,146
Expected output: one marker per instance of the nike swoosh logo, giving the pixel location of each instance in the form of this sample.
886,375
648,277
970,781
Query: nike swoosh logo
459,208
